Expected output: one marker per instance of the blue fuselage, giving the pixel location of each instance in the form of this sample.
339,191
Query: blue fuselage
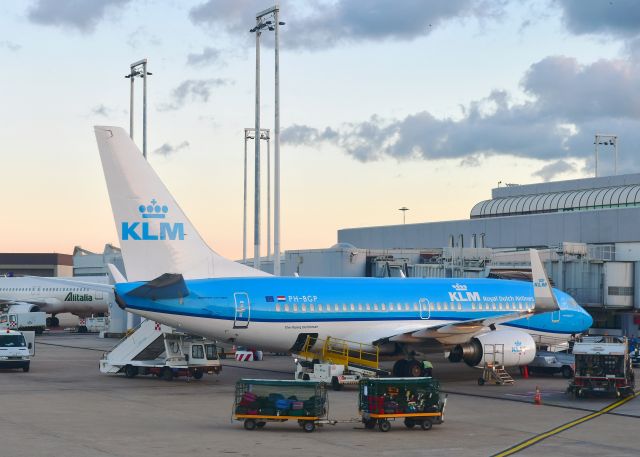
273,311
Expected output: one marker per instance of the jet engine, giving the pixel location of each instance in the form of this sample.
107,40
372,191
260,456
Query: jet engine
504,347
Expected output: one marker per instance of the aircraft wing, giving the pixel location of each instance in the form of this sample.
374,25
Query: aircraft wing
461,331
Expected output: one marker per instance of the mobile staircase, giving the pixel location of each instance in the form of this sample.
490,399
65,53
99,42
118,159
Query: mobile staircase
494,370
154,348
337,361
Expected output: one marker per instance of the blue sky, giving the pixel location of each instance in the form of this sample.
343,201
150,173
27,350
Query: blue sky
424,104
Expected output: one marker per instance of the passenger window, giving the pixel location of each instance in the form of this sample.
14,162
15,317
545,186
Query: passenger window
286,307
520,305
368,307
359,306
295,308
415,307
459,307
344,307
278,307
439,306
493,306
384,307
352,307
319,306
431,308
375,307
473,306
391,307
336,308
312,307
446,306
303,307
407,307
500,306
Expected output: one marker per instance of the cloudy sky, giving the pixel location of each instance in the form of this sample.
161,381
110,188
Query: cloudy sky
385,103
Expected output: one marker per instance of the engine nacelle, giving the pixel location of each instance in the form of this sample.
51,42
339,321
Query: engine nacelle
508,347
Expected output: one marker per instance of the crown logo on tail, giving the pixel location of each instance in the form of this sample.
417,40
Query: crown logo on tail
153,210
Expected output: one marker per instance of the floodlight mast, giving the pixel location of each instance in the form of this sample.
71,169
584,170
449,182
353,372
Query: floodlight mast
274,24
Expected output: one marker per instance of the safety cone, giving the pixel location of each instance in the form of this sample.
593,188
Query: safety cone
537,398
525,372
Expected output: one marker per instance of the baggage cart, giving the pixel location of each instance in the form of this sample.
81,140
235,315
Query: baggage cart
258,401
416,400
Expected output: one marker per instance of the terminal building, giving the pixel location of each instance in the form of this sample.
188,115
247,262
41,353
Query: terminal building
590,229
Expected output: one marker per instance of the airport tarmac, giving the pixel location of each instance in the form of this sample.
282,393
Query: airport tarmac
65,407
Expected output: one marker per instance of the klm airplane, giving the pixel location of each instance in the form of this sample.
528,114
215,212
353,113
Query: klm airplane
176,279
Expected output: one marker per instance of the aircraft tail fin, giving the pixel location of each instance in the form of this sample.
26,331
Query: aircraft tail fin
155,235
545,300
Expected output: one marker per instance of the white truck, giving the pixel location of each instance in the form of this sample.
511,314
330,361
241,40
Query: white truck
16,349
159,350
17,317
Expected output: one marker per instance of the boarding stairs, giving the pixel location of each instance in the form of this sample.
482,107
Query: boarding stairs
353,355
146,342
494,370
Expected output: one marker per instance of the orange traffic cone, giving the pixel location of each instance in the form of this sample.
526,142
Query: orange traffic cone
537,398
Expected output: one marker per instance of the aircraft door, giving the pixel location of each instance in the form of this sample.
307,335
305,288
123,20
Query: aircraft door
425,308
243,310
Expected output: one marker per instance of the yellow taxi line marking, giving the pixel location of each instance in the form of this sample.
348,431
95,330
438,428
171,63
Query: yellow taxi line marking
536,439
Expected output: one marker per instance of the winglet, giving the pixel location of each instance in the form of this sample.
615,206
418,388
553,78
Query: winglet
115,274
545,301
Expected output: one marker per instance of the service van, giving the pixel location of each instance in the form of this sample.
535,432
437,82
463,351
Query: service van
16,349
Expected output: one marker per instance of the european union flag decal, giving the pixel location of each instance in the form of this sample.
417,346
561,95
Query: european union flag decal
269,298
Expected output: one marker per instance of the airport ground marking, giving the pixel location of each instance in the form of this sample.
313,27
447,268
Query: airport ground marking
554,431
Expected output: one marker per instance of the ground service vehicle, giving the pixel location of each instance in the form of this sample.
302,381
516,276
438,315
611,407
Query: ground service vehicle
16,349
603,366
258,401
416,400
553,362
160,350
17,317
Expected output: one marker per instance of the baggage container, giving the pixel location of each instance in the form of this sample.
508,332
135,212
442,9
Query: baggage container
258,401
416,400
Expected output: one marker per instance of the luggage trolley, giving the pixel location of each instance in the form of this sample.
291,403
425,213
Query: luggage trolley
416,400
258,401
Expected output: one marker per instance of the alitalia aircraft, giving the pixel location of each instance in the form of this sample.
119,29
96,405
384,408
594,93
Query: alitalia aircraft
176,279
51,296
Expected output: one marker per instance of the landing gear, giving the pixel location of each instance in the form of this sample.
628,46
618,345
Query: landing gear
407,369
52,321
82,329
399,368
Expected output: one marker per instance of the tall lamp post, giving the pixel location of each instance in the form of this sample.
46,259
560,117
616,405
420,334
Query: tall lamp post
249,134
404,210
139,69
607,140
269,20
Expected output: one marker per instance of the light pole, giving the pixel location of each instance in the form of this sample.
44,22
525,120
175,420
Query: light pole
139,68
607,140
249,134
404,210
263,21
